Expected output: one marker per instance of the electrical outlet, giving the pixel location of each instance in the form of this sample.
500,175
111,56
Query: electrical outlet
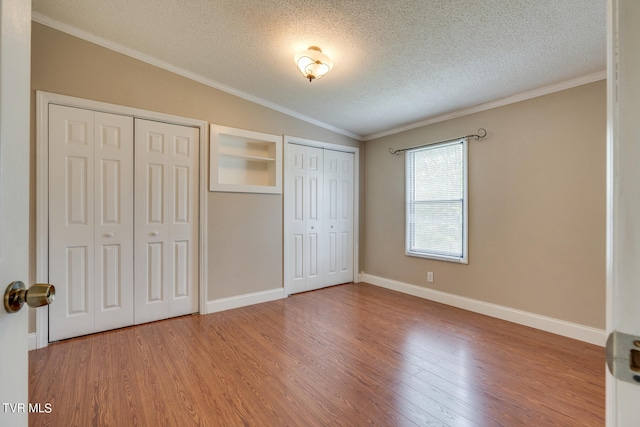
430,276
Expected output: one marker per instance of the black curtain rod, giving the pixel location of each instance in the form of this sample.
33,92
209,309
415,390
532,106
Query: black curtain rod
481,134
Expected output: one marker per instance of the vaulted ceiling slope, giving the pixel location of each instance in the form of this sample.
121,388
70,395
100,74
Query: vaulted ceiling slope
397,62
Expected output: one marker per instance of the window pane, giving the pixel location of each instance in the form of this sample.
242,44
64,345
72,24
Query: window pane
438,173
438,228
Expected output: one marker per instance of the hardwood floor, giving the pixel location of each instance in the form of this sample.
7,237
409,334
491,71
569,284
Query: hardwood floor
350,355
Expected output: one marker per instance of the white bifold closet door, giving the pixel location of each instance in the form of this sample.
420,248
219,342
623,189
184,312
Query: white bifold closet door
90,221
338,216
123,215
319,208
166,230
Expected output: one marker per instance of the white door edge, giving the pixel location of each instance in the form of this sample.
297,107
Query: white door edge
356,203
610,381
623,204
43,99
15,111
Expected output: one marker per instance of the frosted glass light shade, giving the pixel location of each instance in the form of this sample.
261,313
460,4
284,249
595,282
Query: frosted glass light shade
312,63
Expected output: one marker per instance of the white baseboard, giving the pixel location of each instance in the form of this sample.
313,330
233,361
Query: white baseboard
215,306
32,341
244,300
548,324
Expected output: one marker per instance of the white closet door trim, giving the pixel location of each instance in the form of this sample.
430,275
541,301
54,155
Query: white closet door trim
43,99
288,255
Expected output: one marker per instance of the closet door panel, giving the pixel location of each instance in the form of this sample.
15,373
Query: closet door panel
338,214
183,236
166,232
345,214
77,266
114,221
332,253
181,268
295,212
151,233
155,275
71,221
110,282
331,214
315,255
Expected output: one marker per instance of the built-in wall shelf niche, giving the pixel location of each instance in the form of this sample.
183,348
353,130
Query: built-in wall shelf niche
244,161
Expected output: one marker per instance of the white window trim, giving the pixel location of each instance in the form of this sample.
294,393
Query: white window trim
465,208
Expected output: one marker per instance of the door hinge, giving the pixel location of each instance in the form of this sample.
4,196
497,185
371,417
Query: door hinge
623,357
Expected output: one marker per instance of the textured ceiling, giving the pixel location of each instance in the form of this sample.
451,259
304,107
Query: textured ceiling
395,62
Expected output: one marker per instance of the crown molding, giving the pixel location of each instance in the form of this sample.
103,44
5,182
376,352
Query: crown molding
523,96
81,34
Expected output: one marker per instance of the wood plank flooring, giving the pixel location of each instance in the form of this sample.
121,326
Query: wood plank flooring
351,355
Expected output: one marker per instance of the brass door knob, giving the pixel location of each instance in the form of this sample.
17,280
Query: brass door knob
37,295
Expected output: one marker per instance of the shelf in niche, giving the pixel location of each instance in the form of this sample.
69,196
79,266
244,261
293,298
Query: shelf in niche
251,158
245,161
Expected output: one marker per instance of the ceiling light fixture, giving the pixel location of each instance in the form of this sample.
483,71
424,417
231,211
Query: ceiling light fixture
312,63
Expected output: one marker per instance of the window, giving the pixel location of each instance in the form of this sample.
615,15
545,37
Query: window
436,210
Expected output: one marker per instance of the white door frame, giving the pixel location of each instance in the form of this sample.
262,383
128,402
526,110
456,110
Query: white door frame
288,251
43,99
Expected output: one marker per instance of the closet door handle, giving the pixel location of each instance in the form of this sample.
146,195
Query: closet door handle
153,233
108,235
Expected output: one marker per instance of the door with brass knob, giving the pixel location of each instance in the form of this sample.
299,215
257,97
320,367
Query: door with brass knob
15,34
17,294
623,215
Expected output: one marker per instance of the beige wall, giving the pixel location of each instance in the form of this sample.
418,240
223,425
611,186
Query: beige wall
536,207
245,230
